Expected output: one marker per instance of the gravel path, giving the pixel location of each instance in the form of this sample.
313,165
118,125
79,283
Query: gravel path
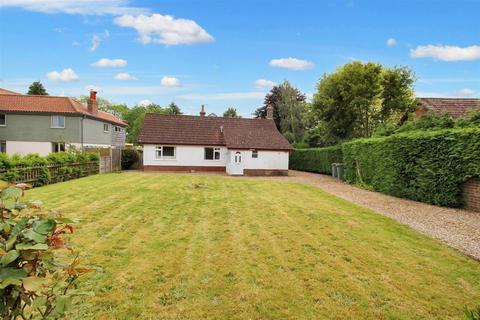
458,228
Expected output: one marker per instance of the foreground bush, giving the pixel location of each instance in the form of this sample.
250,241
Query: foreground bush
424,166
316,160
33,284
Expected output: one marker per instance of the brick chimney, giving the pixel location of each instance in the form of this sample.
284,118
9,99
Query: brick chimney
92,106
202,112
269,112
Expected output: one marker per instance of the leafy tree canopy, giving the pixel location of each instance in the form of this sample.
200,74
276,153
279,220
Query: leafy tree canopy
231,113
358,97
173,108
37,88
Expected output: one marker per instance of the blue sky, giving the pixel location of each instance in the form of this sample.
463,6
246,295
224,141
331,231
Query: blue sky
229,53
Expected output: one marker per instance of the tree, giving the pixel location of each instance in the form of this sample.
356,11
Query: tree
358,97
288,106
231,113
102,103
37,88
172,108
134,119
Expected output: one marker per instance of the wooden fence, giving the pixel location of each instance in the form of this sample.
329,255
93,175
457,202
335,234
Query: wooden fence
51,173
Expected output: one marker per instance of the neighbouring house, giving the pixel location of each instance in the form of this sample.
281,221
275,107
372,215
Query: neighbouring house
201,143
457,107
45,124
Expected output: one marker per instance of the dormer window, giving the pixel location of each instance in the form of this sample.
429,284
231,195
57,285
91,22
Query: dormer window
3,119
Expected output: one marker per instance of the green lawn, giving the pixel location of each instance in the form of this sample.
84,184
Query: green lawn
241,248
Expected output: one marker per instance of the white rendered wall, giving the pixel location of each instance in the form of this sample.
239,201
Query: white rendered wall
26,147
184,156
271,160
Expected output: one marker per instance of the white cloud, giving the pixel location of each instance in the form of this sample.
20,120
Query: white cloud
264,84
165,29
170,82
291,63
446,53
391,42
144,102
124,76
83,7
465,92
65,75
224,96
110,63
97,38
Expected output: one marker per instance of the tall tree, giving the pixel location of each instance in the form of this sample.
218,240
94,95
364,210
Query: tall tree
358,97
288,106
231,113
37,88
173,108
134,119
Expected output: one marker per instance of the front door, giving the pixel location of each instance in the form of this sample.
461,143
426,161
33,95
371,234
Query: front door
237,165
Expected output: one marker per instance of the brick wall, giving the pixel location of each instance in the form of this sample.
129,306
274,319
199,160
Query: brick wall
471,194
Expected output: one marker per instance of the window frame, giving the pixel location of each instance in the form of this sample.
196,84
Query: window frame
3,142
118,129
215,150
162,157
5,116
56,147
254,154
107,125
57,116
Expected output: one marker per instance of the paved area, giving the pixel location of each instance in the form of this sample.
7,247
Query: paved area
457,228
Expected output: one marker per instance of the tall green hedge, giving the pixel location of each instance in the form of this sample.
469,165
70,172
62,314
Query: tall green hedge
427,166
316,160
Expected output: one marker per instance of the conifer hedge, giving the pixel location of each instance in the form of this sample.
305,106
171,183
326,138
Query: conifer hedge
427,166
316,160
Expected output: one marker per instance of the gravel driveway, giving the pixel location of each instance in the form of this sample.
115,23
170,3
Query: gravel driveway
458,228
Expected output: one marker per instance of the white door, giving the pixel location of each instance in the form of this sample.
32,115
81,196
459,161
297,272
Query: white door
237,165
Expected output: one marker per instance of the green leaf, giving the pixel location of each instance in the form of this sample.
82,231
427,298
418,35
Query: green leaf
39,302
11,193
11,256
33,283
11,273
29,246
62,304
32,235
44,226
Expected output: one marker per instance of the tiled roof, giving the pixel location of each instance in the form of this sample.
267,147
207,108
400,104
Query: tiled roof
212,131
51,104
5,91
455,106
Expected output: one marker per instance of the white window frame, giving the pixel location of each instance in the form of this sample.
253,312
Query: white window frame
162,157
58,144
107,126
5,124
255,152
57,117
215,150
118,129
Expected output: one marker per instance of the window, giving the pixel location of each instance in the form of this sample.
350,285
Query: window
3,120
164,152
58,122
106,127
58,146
118,129
255,154
3,147
212,153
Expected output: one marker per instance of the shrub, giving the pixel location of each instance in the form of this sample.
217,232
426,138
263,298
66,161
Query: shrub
129,157
33,285
428,166
316,160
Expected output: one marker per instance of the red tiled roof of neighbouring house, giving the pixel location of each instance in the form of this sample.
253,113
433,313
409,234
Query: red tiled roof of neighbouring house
51,104
457,107
234,133
5,91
